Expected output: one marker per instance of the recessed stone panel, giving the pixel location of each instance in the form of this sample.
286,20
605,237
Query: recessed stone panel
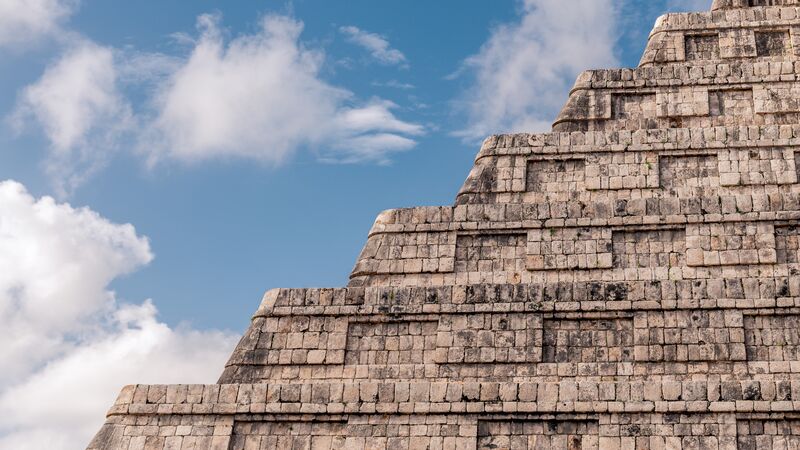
491,252
288,435
772,43
783,98
490,338
587,340
684,101
759,166
689,335
766,434
633,106
555,175
688,171
702,47
569,248
737,43
730,244
772,337
733,102
614,171
385,343
538,435
649,248
787,244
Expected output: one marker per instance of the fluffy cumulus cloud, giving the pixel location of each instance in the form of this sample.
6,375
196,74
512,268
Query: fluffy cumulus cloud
68,345
26,21
377,45
79,108
523,73
261,97
258,97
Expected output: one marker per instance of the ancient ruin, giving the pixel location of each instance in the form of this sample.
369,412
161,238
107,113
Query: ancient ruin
628,281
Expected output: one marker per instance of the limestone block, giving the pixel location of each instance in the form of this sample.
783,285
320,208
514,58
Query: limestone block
576,248
737,43
776,98
731,244
682,101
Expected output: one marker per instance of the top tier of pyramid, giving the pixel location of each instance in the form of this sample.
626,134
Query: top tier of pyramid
703,131
725,68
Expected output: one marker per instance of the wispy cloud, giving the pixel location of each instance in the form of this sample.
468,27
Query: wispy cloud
394,84
377,45
523,73
25,21
79,108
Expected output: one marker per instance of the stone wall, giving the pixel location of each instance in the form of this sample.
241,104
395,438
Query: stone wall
602,415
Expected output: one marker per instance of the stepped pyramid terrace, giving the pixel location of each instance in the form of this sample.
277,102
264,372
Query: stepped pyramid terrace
630,280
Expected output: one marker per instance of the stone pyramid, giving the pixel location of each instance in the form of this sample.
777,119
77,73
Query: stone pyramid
628,281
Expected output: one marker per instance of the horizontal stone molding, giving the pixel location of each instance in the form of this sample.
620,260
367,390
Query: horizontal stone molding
744,18
721,137
589,296
473,431
369,397
781,208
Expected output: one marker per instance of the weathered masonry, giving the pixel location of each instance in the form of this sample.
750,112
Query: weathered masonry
629,281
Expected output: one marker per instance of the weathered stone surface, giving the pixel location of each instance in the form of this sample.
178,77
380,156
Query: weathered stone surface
629,281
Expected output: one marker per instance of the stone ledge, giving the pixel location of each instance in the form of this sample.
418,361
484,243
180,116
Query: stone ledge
762,295
541,372
766,16
657,139
639,222
694,73
371,397
643,214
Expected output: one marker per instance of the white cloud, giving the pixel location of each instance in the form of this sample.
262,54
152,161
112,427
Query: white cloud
370,133
261,97
25,21
256,96
523,73
67,345
80,110
377,45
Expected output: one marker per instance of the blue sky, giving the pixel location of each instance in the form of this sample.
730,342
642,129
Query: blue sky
157,114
